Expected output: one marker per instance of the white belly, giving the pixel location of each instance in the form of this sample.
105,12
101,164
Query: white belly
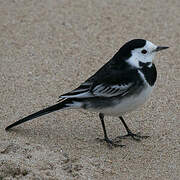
128,104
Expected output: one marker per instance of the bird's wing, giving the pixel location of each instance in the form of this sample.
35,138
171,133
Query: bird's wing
88,90
100,90
83,91
110,90
105,83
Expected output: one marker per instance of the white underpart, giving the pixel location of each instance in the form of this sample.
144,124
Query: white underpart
137,55
130,103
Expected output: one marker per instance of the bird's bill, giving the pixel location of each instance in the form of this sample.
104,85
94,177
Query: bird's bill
159,48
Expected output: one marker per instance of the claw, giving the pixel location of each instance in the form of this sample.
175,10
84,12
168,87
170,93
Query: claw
136,137
112,143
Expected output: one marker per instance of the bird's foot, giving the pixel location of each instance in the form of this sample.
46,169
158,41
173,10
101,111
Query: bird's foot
111,143
136,137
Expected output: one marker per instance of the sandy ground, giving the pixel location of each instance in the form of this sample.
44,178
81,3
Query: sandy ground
50,47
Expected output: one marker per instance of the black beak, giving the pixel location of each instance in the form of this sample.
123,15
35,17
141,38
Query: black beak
159,48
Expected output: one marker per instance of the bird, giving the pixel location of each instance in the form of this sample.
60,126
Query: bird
120,86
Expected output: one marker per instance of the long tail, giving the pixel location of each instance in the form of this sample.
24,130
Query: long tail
61,105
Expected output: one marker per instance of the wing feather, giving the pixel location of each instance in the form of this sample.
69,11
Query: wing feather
100,90
104,90
81,92
105,84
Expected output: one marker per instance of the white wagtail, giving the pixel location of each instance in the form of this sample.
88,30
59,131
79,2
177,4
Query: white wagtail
120,86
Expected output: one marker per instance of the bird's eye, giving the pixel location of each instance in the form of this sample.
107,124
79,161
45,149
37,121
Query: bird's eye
143,51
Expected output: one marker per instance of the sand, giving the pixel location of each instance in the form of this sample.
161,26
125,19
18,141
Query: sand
48,48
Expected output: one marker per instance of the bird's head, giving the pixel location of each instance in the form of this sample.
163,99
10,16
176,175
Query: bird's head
138,52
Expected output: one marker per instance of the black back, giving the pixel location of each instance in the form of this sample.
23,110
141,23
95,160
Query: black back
118,64
117,69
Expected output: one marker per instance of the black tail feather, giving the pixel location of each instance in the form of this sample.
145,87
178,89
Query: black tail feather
42,112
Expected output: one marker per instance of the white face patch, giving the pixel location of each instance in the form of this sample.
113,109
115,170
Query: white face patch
137,55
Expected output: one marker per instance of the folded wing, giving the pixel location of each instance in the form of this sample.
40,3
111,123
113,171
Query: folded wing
105,84
99,90
106,90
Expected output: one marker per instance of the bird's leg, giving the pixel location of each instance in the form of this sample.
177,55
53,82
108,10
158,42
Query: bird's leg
136,137
110,142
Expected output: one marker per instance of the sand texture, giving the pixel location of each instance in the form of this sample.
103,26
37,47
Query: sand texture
48,47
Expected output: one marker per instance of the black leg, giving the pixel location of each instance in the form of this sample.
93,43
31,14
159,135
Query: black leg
101,116
125,125
110,142
136,137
